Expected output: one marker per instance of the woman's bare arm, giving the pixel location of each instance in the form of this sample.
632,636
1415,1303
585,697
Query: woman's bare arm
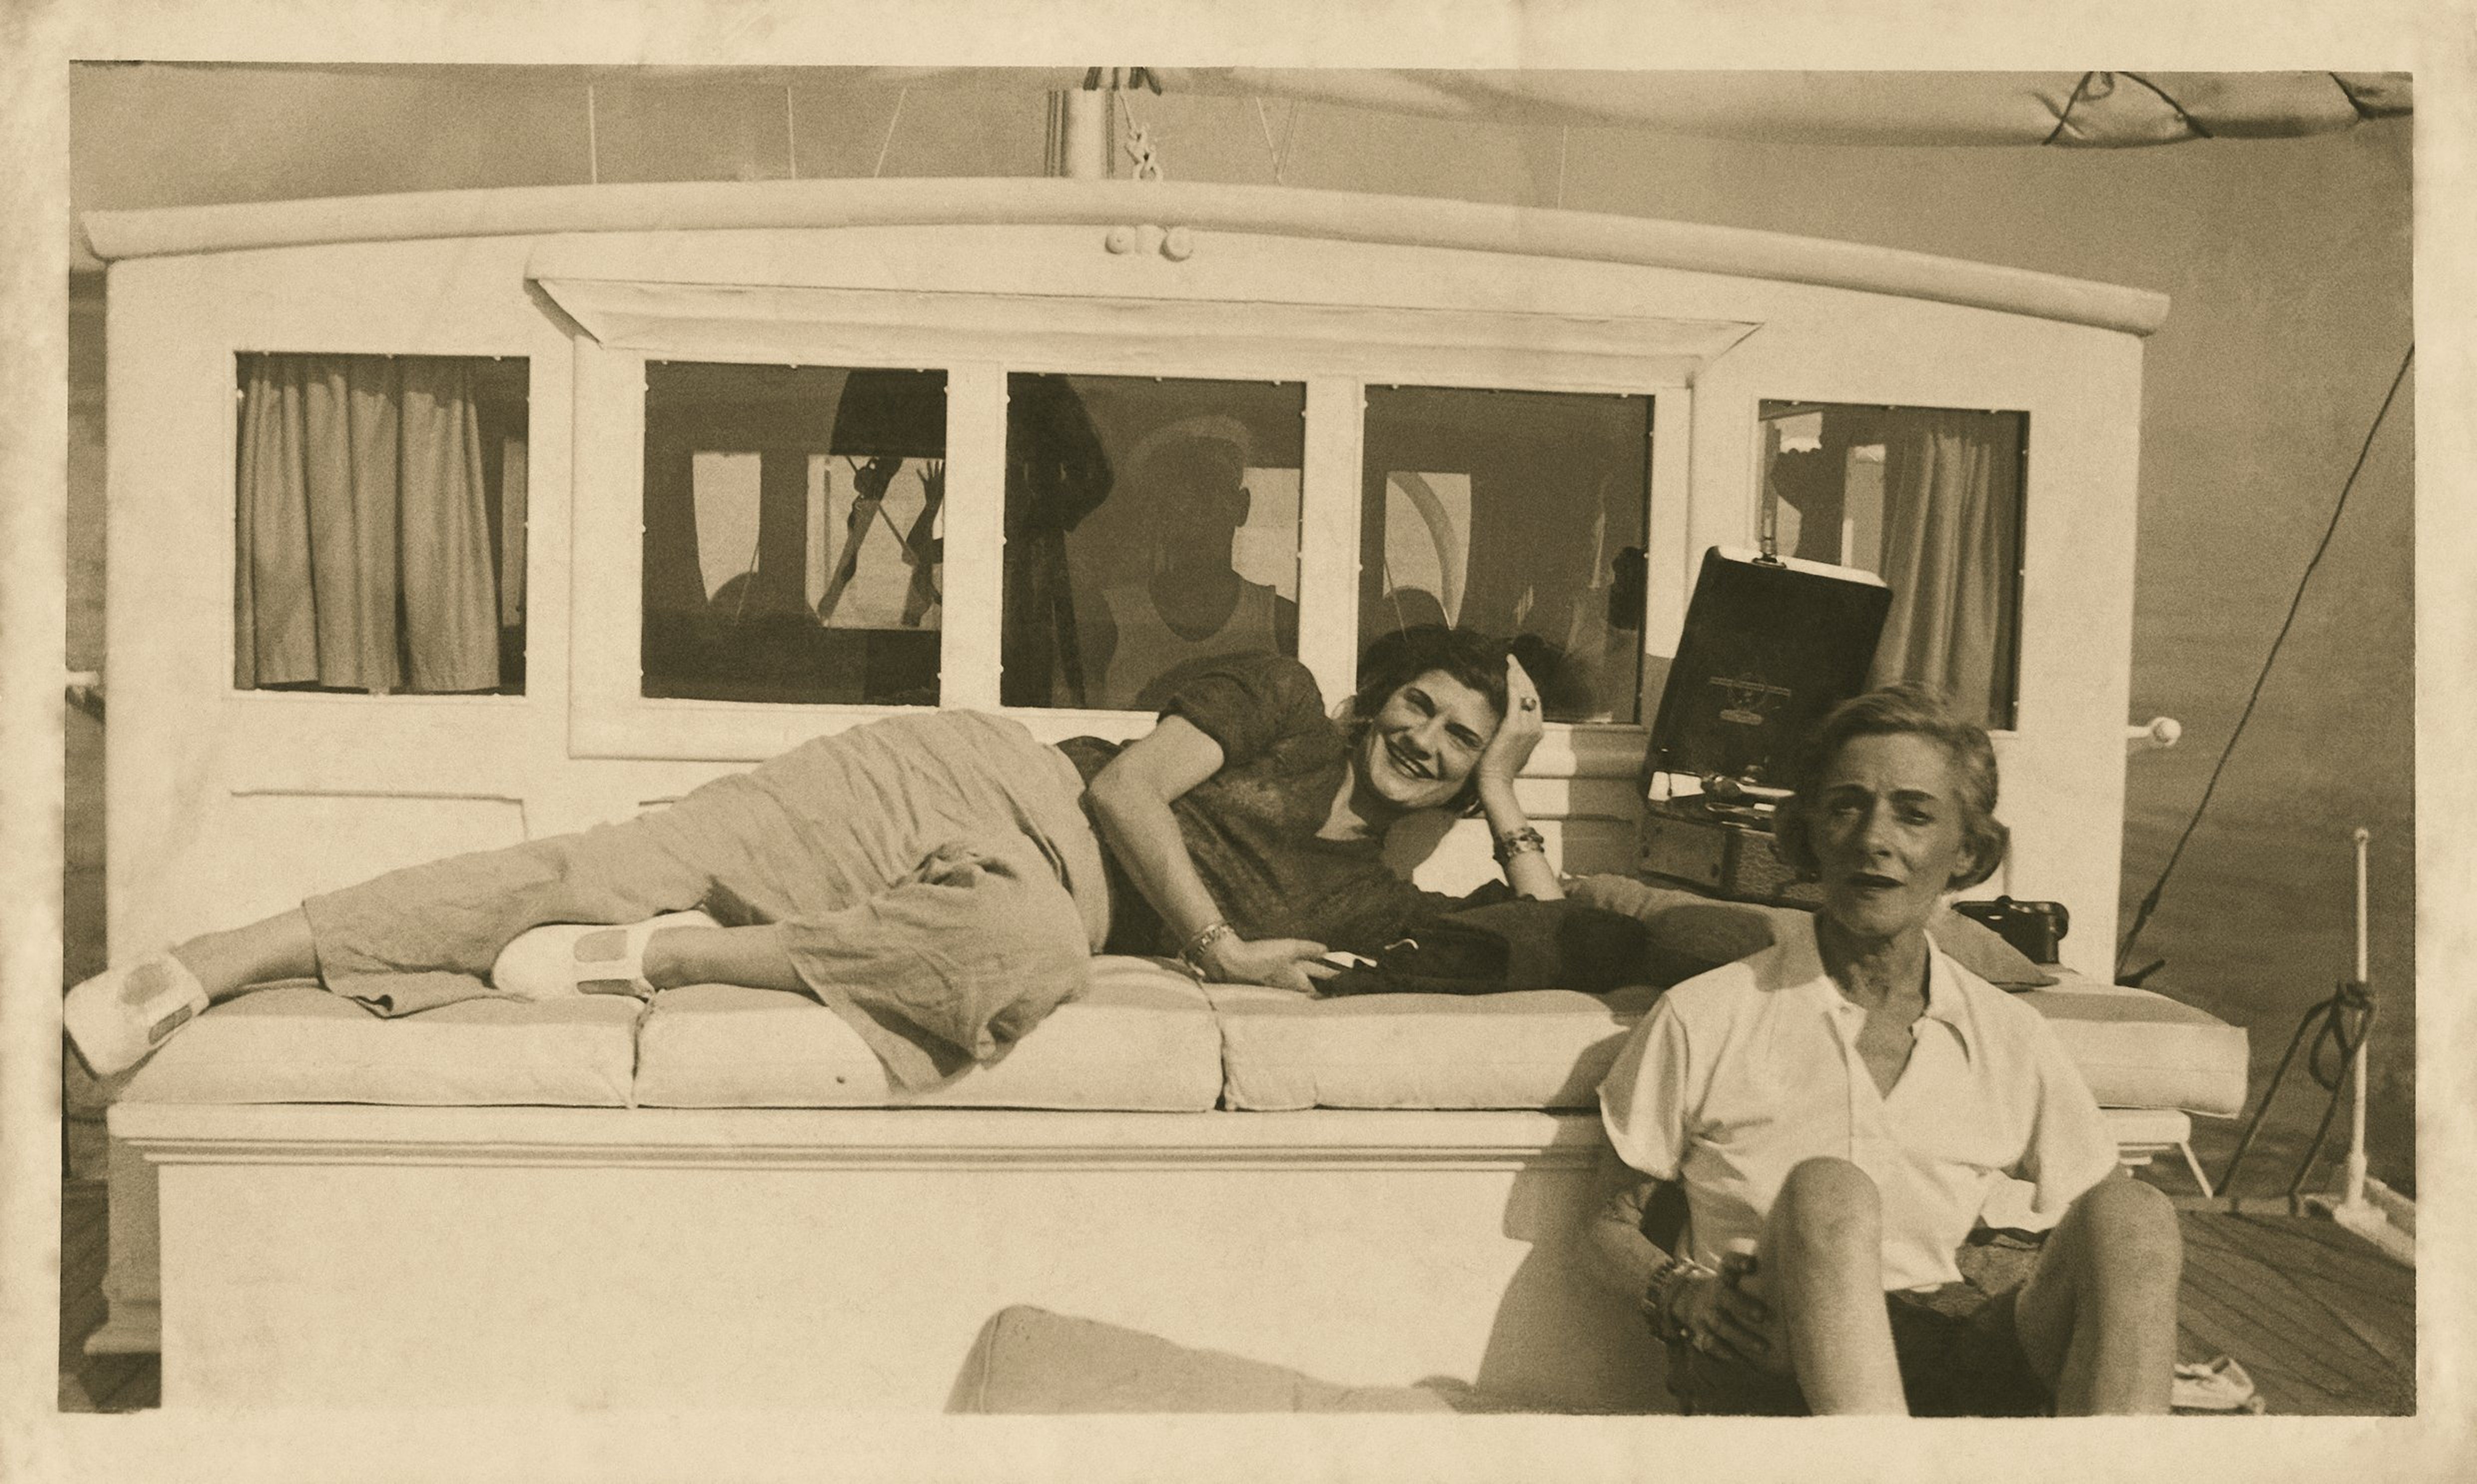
1615,1250
1526,871
1729,1319
1131,798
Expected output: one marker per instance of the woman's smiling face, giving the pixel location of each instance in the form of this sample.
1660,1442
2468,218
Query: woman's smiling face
1422,744
1889,834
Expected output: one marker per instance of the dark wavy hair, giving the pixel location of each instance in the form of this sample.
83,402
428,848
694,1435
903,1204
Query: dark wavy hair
1405,654
1906,710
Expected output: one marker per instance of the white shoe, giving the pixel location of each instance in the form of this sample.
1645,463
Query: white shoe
117,1018
584,959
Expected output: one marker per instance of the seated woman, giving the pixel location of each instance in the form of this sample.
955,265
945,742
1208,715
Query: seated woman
1846,1102
938,878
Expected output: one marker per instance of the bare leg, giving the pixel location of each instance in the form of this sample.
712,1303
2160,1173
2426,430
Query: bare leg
1823,1275
2097,1319
754,956
273,947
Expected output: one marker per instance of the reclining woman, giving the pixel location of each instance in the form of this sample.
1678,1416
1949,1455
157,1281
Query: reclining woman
1850,1103
940,880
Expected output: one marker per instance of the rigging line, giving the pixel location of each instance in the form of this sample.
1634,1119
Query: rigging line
2066,116
592,140
1264,127
888,143
2187,119
1562,134
2150,901
1291,127
791,132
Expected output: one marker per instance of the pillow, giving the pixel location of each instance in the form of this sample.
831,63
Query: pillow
1691,933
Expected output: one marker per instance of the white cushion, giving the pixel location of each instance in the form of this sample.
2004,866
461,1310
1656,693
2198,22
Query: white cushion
300,1044
1141,1039
1531,1049
2140,1050
1548,1048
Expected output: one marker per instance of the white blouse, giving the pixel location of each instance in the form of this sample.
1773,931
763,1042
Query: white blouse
1740,1075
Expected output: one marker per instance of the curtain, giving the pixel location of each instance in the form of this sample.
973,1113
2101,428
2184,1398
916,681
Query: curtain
1952,514
365,527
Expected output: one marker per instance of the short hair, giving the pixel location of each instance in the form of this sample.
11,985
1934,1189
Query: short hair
1905,710
1405,654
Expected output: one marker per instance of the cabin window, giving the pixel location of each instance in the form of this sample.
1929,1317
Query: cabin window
1928,499
1518,514
795,524
379,524
1151,523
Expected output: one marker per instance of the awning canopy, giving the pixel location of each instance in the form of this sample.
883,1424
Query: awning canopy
2074,109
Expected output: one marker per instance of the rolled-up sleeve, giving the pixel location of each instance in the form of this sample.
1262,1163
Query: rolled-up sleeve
1248,703
1644,1098
2070,1148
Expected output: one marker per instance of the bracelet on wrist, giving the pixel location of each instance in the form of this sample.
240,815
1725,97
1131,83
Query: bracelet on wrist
1660,1296
1526,840
1202,942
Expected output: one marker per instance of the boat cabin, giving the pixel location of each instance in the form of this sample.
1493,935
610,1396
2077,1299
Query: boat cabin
650,481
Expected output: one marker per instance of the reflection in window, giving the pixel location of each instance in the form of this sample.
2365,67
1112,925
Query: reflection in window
1151,525
793,533
379,524
1519,514
1929,500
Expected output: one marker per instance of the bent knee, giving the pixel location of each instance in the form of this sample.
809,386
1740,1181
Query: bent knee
1826,1199
2128,1221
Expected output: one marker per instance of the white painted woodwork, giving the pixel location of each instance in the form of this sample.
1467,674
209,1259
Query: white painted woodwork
845,1260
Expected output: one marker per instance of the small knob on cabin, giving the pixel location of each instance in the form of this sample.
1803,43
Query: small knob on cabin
2156,732
1178,244
1121,239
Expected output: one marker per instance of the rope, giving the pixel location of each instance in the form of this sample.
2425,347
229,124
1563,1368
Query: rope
2150,901
2066,115
2328,1022
1264,127
892,119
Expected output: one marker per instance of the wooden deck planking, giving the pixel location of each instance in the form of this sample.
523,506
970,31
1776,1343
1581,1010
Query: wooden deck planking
2323,1321
2359,1287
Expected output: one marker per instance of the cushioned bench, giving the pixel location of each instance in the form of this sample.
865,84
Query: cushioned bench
717,1199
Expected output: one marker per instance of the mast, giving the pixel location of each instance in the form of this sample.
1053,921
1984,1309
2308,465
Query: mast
1079,133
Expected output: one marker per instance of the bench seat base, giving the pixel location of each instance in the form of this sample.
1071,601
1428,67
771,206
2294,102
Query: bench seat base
336,1255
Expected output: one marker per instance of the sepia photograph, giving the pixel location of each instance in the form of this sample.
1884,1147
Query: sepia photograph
1368,761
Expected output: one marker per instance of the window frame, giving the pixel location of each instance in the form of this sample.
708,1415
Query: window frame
1334,352
1756,483
538,469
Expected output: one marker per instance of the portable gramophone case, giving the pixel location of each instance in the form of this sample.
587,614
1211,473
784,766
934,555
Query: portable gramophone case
1769,646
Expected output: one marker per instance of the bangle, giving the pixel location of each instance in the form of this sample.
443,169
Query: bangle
1518,842
1211,933
1660,1297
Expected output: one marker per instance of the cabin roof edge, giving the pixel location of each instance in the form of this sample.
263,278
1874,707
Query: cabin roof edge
1039,201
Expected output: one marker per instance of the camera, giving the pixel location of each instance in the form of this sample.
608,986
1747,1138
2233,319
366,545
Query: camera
2033,927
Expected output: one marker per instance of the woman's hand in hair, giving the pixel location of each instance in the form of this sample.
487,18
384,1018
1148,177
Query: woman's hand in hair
1525,722
1279,963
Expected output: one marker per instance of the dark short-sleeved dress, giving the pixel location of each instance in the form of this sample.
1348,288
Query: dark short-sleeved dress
1251,828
